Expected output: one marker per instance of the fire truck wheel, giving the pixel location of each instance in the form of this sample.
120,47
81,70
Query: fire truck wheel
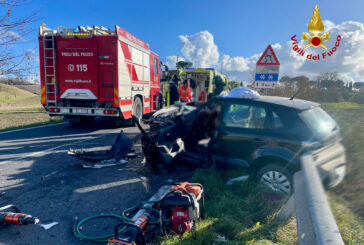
138,108
80,120
87,120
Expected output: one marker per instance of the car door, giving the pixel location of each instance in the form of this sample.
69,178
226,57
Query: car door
243,128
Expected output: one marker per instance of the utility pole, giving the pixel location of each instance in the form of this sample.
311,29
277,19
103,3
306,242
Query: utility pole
176,64
222,65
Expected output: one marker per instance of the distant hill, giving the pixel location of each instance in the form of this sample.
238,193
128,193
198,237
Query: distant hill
13,98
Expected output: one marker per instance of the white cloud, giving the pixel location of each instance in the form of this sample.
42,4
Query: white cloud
347,60
200,49
239,64
172,60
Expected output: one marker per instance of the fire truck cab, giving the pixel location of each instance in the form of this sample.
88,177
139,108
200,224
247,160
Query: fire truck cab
89,72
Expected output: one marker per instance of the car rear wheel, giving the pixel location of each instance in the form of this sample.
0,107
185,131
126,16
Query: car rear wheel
277,178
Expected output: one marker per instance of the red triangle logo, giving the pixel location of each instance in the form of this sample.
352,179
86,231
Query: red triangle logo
268,57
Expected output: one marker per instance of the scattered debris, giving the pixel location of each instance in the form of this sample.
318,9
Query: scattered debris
131,154
220,238
48,226
241,178
102,164
122,148
48,175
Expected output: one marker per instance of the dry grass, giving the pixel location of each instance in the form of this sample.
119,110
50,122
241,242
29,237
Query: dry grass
15,99
20,108
32,88
14,120
10,93
351,123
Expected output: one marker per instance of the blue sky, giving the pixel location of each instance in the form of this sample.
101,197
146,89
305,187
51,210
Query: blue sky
239,28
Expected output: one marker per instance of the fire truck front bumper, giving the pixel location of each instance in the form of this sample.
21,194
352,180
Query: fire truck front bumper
81,111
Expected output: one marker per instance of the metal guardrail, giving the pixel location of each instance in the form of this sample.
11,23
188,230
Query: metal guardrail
315,221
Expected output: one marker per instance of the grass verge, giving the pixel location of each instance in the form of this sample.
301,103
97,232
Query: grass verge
238,214
343,105
352,130
12,121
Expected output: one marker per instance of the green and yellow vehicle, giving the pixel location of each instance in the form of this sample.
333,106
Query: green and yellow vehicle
201,79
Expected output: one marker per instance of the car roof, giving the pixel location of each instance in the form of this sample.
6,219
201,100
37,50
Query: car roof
282,101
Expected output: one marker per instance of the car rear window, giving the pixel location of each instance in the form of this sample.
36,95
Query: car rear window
287,124
319,122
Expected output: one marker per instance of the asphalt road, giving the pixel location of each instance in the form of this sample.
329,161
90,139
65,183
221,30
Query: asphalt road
37,175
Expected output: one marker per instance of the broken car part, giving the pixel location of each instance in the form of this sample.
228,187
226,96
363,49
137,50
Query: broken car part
48,226
182,140
119,149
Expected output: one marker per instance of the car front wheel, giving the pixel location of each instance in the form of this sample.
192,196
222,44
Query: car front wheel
277,178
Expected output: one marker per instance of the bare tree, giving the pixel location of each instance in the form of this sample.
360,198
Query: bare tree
329,80
14,30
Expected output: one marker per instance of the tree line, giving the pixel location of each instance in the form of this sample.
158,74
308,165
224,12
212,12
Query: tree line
326,87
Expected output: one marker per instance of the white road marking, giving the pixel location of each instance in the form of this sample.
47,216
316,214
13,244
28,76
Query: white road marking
53,148
23,129
108,185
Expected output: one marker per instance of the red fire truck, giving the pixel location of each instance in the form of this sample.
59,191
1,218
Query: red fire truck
89,72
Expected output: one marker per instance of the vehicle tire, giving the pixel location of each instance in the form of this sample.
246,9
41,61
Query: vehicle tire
73,120
138,108
277,178
85,120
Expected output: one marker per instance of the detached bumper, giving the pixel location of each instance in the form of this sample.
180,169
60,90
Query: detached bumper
335,176
331,162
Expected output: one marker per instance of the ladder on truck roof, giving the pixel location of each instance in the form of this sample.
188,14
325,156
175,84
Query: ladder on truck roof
51,87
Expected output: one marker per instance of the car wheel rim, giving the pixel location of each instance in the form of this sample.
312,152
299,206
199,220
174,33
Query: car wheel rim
277,181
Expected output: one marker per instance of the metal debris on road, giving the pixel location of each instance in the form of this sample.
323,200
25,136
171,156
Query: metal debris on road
102,164
121,148
131,154
48,175
48,226
241,178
